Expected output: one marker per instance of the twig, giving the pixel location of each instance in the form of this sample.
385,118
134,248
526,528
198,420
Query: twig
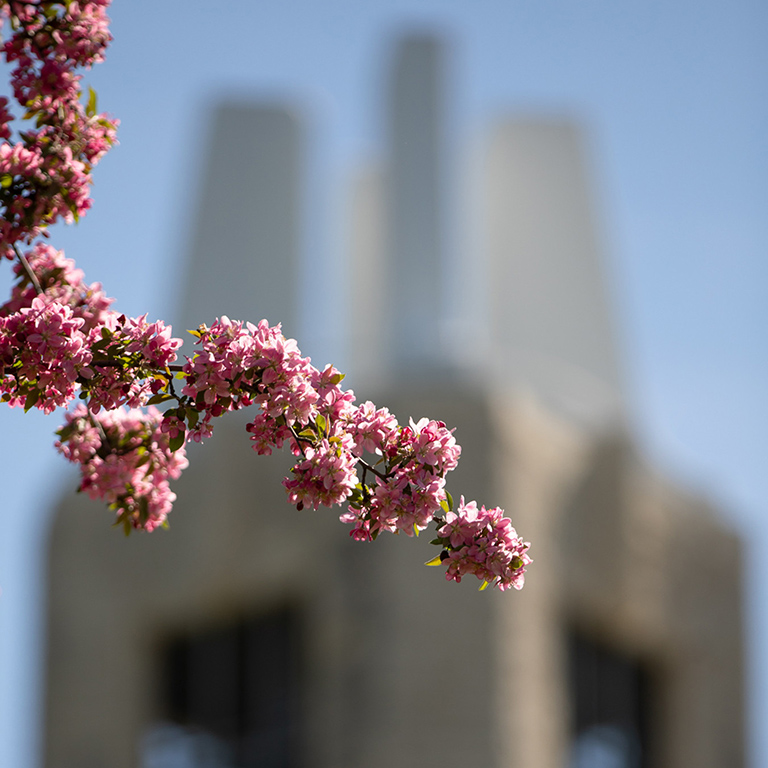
30,274
298,439
367,467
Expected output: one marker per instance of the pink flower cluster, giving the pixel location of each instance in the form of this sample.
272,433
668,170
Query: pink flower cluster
46,175
482,542
409,488
240,364
77,36
392,476
130,356
125,460
42,355
112,358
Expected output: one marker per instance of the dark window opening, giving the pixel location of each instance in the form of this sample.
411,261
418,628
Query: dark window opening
610,707
230,697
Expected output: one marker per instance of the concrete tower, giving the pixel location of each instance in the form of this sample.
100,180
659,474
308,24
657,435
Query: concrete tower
551,324
413,199
245,249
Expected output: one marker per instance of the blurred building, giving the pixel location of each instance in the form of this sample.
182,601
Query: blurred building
255,635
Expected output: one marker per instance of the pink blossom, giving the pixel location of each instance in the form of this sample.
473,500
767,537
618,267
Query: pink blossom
42,353
482,542
125,460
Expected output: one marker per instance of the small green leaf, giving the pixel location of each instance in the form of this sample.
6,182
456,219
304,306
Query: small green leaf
176,442
160,397
483,586
6,180
449,498
434,561
32,397
90,108
321,423
415,531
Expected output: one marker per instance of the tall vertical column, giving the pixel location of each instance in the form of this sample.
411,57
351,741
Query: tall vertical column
414,203
370,308
551,324
244,255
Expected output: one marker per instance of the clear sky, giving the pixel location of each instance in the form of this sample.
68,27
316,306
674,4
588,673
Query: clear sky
673,98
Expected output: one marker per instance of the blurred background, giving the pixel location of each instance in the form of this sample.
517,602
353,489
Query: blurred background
661,109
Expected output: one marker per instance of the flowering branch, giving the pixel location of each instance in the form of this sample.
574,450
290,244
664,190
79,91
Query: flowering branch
60,340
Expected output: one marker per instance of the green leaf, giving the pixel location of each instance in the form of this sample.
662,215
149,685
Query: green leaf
321,423
160,397
176,442
435,561
449,498
144,459
101,345
193,417
90,108
32,397
143,509
483,586
6,180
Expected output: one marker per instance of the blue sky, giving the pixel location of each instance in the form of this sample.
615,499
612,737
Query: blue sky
672,96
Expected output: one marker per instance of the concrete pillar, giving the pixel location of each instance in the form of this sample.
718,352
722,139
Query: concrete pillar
244,253
551,324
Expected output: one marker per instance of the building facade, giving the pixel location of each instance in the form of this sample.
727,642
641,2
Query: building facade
252,634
